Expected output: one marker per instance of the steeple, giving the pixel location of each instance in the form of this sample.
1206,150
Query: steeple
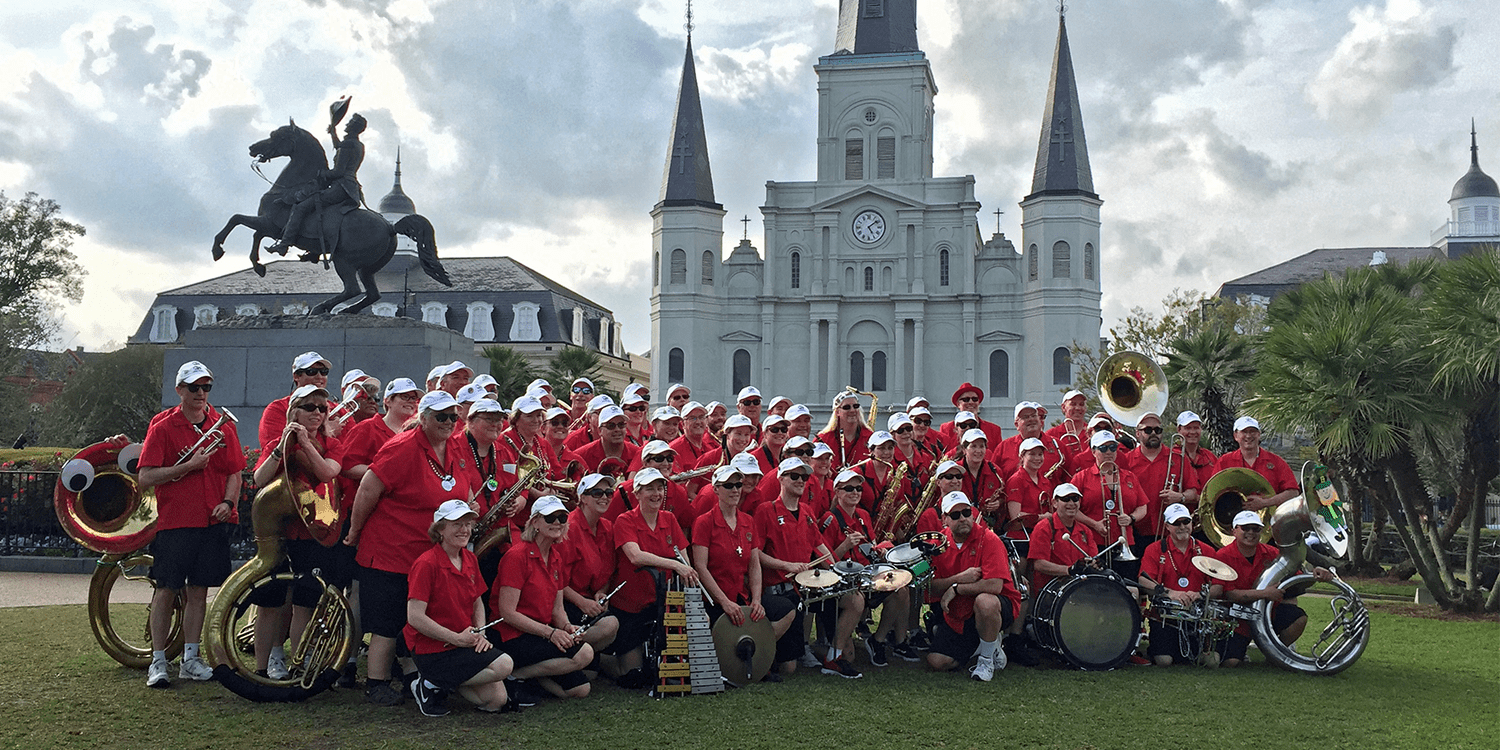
396,201
873,27
1475,183
688,181
1062,157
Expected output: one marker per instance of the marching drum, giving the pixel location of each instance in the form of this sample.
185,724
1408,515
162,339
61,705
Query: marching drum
1091,620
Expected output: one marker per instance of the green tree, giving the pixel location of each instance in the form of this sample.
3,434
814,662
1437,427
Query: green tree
576,362
112,393
1207,369
511,370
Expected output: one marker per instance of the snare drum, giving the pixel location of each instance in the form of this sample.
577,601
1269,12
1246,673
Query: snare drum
911,558
1091,620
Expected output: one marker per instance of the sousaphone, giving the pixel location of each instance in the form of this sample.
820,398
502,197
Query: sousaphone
1131,385
1224,496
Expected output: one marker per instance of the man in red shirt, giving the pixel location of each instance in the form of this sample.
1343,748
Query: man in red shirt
611,443
1149,464
1248,556
196,500
800,418
678,396
307,368
791,542
1028,419
1071,434
666,424
588,430
694,441
748,403
717,413
967,398
454,376
1113,501
979,600
1167,570
1265,463
1201,460
1053,553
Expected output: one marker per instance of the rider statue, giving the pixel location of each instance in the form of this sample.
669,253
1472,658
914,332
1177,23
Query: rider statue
341,186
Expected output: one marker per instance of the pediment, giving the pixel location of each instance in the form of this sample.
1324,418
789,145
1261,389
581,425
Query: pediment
999,336
864,191
739,336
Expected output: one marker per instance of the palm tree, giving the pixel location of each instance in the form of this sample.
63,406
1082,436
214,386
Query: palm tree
1209,366
511,370
571,363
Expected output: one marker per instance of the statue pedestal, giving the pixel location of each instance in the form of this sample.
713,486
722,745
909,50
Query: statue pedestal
251,356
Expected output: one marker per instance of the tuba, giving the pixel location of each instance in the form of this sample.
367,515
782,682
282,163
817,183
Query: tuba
1343,640
327,640
1130,386
1224,496
101,507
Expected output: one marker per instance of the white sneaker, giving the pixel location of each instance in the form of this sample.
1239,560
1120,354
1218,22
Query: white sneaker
276,668
983,670
195,669
999,659
156,675
808,660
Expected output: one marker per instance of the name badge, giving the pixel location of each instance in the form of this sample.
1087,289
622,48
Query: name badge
508,468
1182,582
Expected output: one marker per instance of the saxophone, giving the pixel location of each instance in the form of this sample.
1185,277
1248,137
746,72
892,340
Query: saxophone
894,510
492,530
928,499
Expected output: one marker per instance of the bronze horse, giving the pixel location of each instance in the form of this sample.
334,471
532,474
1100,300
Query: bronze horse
359,242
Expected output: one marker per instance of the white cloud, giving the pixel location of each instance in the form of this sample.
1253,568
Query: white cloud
1388,52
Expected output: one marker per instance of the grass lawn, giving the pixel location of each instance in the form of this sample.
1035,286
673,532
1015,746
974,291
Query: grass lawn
1423,683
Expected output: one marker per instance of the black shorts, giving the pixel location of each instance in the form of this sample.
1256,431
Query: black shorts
451,668
190,557
382,602
1166,640
960,646
1283,614
635,628
527,649
776,607
334,564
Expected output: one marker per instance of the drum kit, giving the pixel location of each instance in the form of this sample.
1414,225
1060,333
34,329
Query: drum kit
891,569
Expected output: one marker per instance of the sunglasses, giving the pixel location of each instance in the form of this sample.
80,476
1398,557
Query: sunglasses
967,399
661,459
637,407
849,488
320,408
802,453
795,477
192,388
613,426
957,514
595,493
559,422
923,422
732,485
751,402
582,389
779,429
849,407
441,417
409,396
903,430
952,477
314,371
558,517
1183,522
1111,448
1068,499
1151,430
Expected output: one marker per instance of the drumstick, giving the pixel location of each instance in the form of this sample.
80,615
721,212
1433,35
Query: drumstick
488,625
820,559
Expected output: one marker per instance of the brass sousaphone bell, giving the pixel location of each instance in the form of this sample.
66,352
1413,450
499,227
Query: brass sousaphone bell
1131,385
1224,496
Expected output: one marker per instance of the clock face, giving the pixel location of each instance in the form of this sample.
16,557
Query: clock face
869,227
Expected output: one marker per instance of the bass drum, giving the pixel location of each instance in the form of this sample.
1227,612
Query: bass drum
121,623
1092,621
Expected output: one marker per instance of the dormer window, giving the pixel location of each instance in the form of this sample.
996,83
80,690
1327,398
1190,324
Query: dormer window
435,313
163,324
525,326
249,308
577,336
205,315
294,308
480,327
383,310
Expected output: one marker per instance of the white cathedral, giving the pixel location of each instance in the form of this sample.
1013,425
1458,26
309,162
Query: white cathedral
876,274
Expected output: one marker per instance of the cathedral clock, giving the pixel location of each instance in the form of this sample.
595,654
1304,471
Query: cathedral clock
869,227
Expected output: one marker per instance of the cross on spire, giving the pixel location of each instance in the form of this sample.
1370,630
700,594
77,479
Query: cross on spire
998,212
683,153
689,24
746,222
1062,135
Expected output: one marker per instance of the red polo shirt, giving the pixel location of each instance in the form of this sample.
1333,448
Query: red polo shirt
1164,563
450,594
992,433
729,551
985,551
788,536
873,489
1153,476
538,579
1203,462
273,421
1269,465
982,485
188,503
662,541
480,468
1047,543
1131,497
593,454
835,526
395,533
1021,489
1007,458
689,454
588,556
1249,568
361,443
851,451
579,438
676,502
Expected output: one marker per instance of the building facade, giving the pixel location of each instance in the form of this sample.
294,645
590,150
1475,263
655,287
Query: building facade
876,274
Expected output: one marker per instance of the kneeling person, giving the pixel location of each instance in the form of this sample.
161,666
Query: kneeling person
1249,558
979,599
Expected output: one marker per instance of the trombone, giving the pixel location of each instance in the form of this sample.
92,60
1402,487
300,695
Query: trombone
1112,508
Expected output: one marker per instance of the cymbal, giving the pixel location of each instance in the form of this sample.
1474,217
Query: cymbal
745,651
1214,568
817,578
847,567
891,580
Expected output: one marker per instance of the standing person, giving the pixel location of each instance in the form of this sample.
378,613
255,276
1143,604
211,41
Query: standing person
196,500
846,432
1072,432
483,465
918,462
579,395
678,396
587,431
979,600
445,620
612,442
1029,426
1168,564
929,441
666,424
1263,462
656,455
774,432
967,398
878,472
694,441
454,375
1149,464
525,437
1113,502
555,430
1249,556
982,480
717,413
535,630
308,368
1025,491
589,560
800,419
637,431
747,402
1200,460
406,481
646,537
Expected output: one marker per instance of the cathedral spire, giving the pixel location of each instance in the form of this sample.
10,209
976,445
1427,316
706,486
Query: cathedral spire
688,180
1062,156
872,27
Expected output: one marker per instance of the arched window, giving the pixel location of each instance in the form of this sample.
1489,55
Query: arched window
943,267
1031,263
1062,260
656,268
857,370
885,156
299,308
1062,366
741,370
383,310
877,371
854,157
205,315
524,325
164,324
999,373
796,270
674,365
481,326
248,308
435,313
1088,261
869,278
708,268
679,267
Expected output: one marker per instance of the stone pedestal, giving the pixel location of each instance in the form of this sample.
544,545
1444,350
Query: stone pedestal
251,356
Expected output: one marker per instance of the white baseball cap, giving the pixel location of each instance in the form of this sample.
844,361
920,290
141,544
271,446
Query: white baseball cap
675,387
192,371
821,449
455,366
797,441
1066,489
609,413
647,476
1070,395
539,393
583,380
485,380
897,421
633,388
954,499
846,475
1102,437
1024,405
485,405
880,437
631,399
843,396
692,406
1248,518
599,402
777,400
725,473
965,416
452,510
555,412
791,463
972,434
1028,444
526,405
401,385
772,420
1143,417
436,372
943,467
590,481
917,402
738,420
308,390
713,406
655,447
664,414
470,393
308,359
1099,419
1176,512
1186,418
547,505
748,391
1245,423
351,377
436,401
796,411
540,383
745,463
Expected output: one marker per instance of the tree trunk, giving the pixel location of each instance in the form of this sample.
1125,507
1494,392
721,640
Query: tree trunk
1218,421
1410,511
1364,558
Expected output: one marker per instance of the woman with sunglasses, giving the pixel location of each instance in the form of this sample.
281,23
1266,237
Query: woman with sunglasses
589,560
878,472
308,368
739,433
845,528
656,455
405,483
542,642
637,431
484,465
846,432
774,432
555,431
1168,564
525,436
1025,492
928,440
646,538
949,476
310,456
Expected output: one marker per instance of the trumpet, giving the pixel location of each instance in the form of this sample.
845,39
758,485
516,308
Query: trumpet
211,438
346,409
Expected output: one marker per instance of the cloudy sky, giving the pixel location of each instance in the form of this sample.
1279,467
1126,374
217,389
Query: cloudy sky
1224,136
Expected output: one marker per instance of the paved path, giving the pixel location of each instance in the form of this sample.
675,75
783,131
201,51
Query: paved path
38,589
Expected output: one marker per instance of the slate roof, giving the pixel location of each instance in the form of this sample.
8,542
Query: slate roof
1268,282
1062,155
869,28
688,180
